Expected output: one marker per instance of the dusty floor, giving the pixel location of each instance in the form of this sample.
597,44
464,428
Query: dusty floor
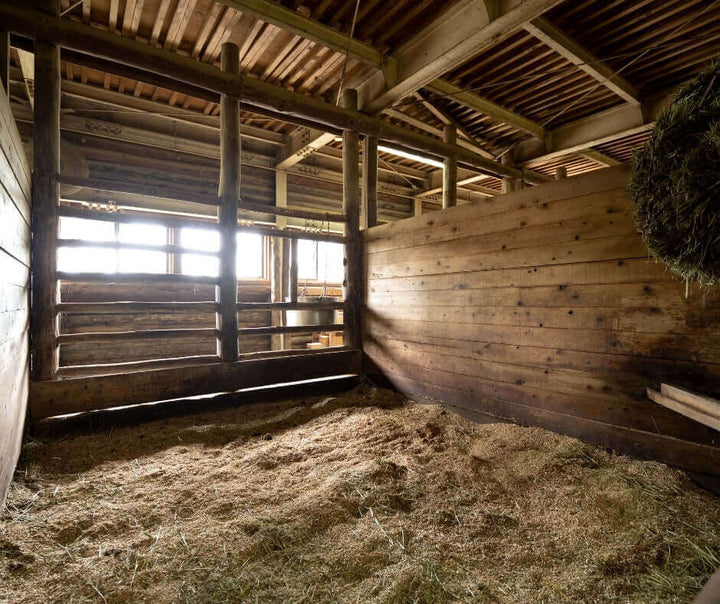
359,498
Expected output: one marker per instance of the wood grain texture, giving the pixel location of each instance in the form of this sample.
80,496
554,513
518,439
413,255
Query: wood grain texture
542,307
14,297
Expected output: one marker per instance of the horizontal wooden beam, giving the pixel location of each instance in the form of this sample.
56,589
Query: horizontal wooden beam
134,307
279,329
295,22
552,36
60,397
146,334
244,306
256,93
133,366
121,245
132,278
179,221
110,186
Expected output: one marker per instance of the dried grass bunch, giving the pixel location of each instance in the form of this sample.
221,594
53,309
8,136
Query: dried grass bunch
675,182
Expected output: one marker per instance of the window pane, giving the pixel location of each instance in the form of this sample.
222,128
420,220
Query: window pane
88,230
152,234
142,261
200,239
307,259
330,262
249,256
86,260
202,266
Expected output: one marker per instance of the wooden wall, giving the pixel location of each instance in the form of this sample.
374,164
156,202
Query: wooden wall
14,280
541,307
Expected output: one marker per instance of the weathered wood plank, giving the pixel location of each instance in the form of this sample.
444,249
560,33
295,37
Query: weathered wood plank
59,397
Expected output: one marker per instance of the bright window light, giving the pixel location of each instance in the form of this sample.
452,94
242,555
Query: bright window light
87,230
320,261
151,234
249,256
200,266
141,261
207,240
87,260
412,156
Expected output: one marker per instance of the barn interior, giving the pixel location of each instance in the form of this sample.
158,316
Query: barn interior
390,229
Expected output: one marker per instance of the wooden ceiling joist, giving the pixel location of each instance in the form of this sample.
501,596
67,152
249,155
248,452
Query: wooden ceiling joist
262,95
455,37
553,37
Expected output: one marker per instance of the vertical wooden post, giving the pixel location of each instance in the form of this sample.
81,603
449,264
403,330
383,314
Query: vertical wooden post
449,199
560,173
417,206
226,290
508,183
277,254
352,284
368,213
5,59
293,282
45,201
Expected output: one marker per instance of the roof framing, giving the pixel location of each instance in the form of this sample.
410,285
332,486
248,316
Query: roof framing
565,46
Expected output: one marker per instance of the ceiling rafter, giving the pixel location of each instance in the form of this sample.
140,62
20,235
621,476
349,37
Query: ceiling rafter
583,59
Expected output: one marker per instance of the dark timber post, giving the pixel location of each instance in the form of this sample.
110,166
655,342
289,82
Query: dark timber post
5,59
368,214
226,290
352,285
293,283
449,198
45,201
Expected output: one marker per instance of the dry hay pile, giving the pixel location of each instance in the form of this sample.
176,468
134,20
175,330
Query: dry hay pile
675,182
359,498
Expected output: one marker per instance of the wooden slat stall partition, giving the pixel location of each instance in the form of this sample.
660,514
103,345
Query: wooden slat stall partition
542,307
14,299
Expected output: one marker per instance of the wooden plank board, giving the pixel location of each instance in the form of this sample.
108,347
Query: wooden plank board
701,403
687,410
85,394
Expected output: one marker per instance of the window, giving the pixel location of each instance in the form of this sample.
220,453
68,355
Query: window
250,253
320,261
107,259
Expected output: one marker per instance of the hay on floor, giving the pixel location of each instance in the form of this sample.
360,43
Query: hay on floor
358,498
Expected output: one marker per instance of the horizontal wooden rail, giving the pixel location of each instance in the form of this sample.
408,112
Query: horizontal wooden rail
277,329
290,306
134,366
134,307
291,212
170,221
133,278
111,186
115,336
121,245
59,397
178,221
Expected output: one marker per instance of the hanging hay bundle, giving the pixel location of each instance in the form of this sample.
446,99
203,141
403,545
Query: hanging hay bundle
675,182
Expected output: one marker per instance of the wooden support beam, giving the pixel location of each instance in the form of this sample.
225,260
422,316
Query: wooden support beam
276,329
229,193
134,307
599,158
58,397
417,206
508,184
254,306
44,209
145,334
120,245
449,193
368,212
569,49
278,249
471,100
260,95
4,58
293,282
303,143
456,36
560,173
352,283
133,278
